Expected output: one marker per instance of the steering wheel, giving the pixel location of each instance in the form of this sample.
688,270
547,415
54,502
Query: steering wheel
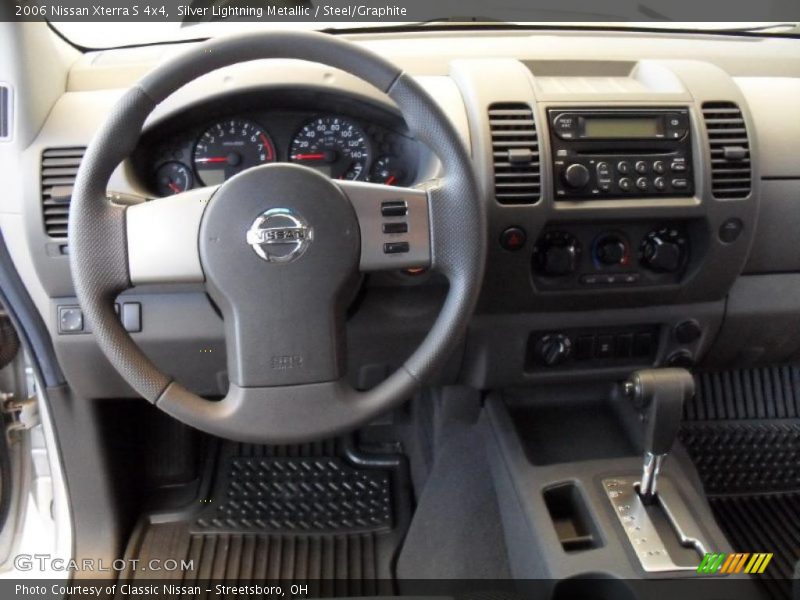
279,248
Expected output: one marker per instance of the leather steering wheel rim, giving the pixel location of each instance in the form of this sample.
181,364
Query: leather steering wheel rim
101,270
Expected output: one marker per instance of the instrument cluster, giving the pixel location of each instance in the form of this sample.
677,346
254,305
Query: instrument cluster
211,151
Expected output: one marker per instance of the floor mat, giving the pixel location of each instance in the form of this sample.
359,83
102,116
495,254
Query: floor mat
742,431
286,513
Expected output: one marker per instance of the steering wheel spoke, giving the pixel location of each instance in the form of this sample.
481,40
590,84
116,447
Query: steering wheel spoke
162,238
395,225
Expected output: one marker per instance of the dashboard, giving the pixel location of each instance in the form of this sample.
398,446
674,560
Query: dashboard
640,194
340,137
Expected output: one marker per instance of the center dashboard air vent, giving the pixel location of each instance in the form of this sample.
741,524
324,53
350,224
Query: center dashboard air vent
515,153
731,176
59,169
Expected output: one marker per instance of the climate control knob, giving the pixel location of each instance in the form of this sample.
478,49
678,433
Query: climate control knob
576,176
554,349
557,253
664,250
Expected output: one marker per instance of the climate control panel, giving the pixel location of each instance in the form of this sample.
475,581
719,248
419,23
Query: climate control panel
584,256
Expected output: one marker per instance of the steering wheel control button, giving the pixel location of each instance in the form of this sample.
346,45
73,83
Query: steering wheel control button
394,208
70,319
279,235
513,238
730,230
398,227
396,247
132,317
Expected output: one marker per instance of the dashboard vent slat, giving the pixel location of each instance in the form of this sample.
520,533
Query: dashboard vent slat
59,169
731,175
515,153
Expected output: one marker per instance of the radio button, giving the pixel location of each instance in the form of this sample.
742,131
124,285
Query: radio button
660,183
680,184
624,167
643,183
625,184
603,170
659,167
678,165
641,167
565,126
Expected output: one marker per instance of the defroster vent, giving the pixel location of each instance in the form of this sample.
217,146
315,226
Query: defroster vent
731,176
515,153
59,169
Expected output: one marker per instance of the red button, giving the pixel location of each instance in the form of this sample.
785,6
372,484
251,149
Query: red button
513,238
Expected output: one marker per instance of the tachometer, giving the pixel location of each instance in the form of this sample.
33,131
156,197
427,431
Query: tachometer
230,147
334,146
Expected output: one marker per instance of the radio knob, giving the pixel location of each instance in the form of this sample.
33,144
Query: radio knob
576,176
663,253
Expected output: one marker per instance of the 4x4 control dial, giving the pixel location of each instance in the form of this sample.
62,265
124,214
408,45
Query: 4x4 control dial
554,349
664,250
556,253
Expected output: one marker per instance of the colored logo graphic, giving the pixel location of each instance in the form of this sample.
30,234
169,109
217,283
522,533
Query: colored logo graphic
740,562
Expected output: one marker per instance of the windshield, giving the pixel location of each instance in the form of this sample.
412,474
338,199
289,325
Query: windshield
114,34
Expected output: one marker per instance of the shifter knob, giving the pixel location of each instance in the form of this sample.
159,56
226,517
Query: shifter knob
659,394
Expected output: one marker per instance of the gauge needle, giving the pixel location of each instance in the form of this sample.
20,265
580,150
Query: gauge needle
213,159
391,180
174,187
318,156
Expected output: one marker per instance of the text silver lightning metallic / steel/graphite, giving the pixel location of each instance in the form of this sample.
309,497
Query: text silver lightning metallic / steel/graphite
279,235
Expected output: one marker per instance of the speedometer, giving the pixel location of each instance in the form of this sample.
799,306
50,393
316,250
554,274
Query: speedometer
334,146
229,147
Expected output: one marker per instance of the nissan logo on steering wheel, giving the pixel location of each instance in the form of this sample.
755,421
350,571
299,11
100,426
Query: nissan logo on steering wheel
279,235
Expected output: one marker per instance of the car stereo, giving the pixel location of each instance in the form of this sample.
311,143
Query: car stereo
621,152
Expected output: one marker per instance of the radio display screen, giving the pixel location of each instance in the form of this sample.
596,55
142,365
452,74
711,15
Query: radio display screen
621,127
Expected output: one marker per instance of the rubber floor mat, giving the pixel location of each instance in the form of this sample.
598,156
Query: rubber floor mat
286,513
742,431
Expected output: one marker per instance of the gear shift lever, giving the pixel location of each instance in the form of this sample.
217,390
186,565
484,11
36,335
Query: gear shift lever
659,394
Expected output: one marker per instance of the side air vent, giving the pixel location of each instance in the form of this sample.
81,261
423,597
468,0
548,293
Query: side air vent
730,150
59,169
5,112
515,153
